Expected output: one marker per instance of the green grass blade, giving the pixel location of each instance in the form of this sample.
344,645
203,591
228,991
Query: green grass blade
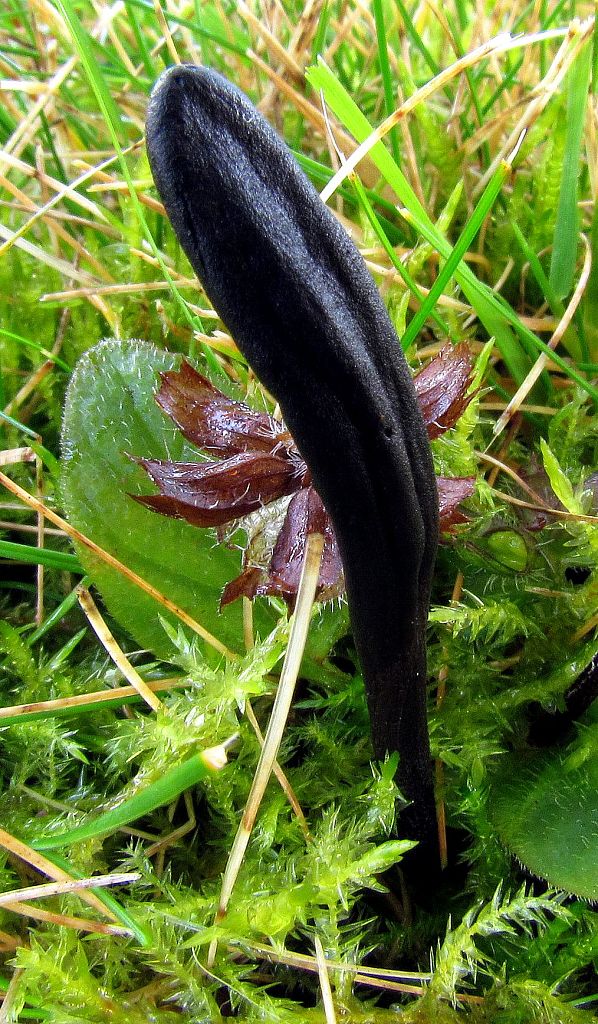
115,127
554,302
483,207
321,174
28,343
320,36
506,82
85,50
58,614
537,270
590,299
321,77
49,460
494,313
144,50
387,84
396,262
162,791
12,422
471,79
482,299
105,897
594,85
39,556
415,38
193,26
566,229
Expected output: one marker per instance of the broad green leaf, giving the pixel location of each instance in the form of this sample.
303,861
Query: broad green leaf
547,815
110,414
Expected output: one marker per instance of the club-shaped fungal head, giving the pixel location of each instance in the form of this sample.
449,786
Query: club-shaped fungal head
296,295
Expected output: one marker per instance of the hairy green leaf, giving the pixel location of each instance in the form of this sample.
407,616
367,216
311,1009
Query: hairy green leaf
110,414
546,813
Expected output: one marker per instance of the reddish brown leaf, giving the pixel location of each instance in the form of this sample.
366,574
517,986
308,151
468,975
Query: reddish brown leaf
215,423
213,493
245,585
452,490
441,388
305,514
261,463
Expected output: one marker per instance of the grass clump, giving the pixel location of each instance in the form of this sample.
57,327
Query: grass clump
474,207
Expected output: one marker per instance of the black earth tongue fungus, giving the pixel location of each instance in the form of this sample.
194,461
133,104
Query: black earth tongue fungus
294,292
